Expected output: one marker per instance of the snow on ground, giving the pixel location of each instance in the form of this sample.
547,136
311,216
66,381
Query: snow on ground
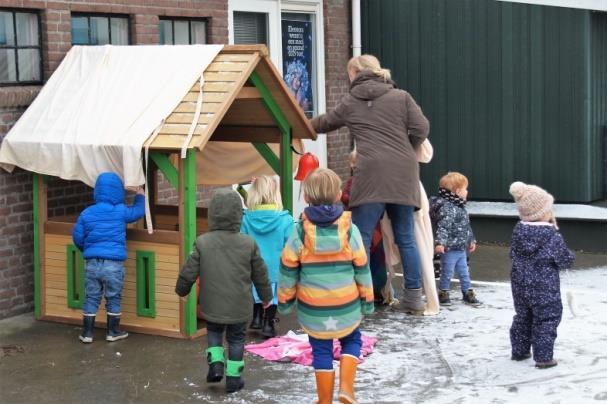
508,209
462,355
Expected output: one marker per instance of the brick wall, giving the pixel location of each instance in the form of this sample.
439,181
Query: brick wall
65,198
338,51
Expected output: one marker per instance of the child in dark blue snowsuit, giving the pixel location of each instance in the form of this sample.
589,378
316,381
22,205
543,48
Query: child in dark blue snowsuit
537,251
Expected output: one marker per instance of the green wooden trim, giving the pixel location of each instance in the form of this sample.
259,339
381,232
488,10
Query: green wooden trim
36,178
268,155
189,234
270,103
75,281
146,283
168,169
286,171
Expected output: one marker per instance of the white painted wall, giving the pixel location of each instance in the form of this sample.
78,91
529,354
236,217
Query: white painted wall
600,5
274,8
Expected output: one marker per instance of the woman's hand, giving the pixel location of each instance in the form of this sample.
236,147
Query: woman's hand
472,247
439,249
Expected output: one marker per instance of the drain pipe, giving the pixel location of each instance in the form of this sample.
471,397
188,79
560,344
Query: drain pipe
356,37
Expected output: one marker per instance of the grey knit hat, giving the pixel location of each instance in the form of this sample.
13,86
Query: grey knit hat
533,202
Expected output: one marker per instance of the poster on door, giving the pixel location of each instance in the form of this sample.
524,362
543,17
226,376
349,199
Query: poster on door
297,61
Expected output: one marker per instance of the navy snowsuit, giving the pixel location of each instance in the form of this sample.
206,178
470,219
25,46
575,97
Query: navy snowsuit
537,251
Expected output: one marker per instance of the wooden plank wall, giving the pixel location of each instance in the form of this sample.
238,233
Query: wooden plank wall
167,302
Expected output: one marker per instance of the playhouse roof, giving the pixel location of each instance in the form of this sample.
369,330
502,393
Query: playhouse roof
104,103
233,109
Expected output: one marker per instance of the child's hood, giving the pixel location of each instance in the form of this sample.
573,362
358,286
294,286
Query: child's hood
265,221
531,240
109,188
225,211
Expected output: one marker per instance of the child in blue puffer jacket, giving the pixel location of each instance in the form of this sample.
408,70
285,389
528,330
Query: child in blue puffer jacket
537,251
100,233
270,226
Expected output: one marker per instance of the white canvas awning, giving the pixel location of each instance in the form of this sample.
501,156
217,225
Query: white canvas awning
99,107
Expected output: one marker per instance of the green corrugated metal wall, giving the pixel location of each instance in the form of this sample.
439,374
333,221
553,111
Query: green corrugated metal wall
511,90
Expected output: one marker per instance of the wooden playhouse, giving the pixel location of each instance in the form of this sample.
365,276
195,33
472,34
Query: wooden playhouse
245,100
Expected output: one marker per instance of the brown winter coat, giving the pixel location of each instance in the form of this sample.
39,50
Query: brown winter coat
387,125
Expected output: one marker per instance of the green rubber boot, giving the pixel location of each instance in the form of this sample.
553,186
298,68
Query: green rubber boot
233,380
216,364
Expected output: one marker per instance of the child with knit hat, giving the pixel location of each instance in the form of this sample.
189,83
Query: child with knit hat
537,251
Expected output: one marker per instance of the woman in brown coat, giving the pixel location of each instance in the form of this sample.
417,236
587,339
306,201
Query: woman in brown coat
387,125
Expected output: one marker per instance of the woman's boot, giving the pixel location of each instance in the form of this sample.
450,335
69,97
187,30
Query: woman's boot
347,374
324,386
257,317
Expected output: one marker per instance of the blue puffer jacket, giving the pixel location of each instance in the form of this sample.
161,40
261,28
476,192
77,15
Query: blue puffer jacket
100,231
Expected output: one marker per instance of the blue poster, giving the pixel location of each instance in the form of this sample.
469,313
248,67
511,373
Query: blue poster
297,61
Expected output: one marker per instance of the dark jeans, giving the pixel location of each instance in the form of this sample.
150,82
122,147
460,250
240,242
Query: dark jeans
235,334
322,349
368,215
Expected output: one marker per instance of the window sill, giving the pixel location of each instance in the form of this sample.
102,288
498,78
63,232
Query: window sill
18,96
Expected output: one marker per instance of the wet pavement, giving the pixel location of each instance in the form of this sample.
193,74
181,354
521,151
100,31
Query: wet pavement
460,355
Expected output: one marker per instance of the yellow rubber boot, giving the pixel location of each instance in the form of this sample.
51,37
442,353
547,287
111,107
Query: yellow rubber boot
324,386
347,374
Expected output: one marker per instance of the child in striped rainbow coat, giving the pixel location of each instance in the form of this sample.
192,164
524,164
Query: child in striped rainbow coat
324,270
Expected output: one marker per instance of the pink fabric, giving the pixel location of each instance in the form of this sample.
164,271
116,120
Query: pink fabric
296,348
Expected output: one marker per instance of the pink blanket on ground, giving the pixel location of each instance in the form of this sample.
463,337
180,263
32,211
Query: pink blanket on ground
296,348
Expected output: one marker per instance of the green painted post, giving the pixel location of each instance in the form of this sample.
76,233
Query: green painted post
189,234
36,178
286,171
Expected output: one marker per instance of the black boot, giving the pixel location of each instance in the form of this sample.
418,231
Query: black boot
269,320
469,297
257,317
234,380
215,359
88,323
113,332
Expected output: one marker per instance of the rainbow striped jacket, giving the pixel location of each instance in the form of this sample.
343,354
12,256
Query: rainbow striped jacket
325,270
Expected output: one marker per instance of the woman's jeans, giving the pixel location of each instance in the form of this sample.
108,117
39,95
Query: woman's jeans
454,261
103,278
322,349
235,334
367,216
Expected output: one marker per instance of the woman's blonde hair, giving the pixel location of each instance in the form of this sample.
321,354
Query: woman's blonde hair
322,187
264,191
453,181
370,63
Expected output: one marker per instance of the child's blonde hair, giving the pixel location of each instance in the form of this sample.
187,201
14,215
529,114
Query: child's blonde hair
368,62
453,181
264,191
322,187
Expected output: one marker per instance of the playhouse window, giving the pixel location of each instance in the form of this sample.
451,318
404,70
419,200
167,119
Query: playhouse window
20,56
146,283
182,31
96,29
250,28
